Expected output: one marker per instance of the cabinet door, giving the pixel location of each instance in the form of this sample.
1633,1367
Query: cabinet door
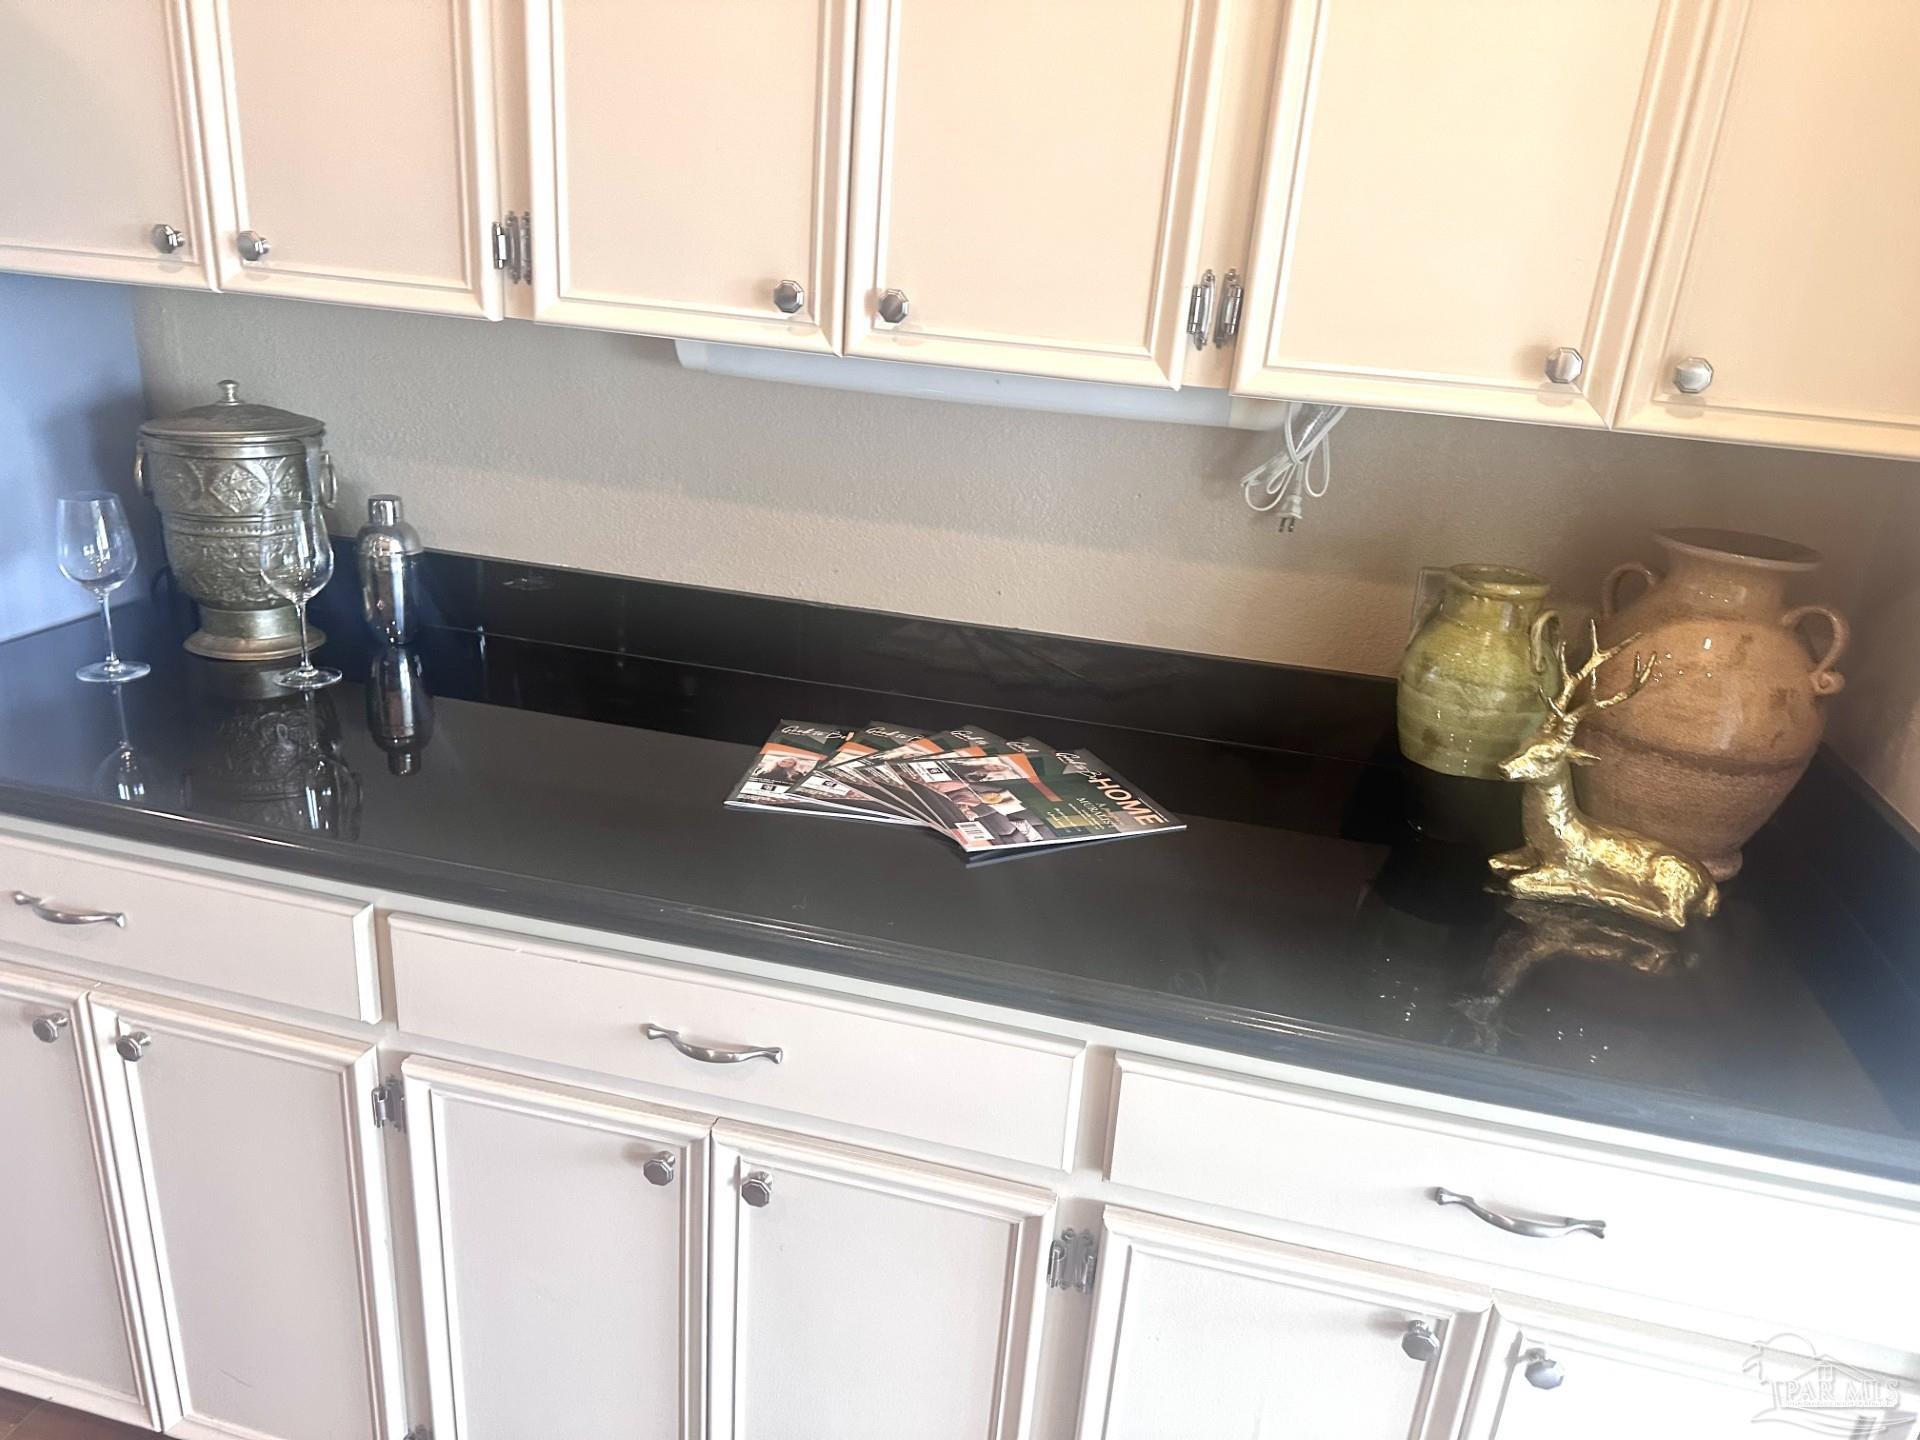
1028,184
867,1297
1460,196
1787,259
689,166
1199,1333
562,1250
1551,1375
103,155
66,1327
249,1146
355,139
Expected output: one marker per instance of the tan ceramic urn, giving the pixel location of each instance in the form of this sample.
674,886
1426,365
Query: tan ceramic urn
1708,750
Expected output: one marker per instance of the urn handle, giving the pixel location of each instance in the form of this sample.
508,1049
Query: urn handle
1610,587
324,483
1823,677
1545,650
140,470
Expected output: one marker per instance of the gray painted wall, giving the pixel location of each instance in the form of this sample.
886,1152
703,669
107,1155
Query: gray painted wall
70,403
572,447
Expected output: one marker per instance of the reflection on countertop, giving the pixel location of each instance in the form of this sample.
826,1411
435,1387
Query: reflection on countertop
1299,917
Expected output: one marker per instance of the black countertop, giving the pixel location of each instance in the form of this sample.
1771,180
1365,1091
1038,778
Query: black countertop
1298,918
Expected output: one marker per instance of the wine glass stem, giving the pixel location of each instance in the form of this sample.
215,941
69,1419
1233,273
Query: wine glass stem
300,613
106,614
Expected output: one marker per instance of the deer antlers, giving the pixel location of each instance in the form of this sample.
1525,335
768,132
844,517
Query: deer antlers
1643,666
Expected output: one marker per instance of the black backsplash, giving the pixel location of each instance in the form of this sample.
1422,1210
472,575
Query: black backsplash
972,667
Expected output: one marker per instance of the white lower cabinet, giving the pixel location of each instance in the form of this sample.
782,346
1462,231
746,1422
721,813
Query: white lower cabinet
247,1147
868,1297
562,1250
66,1329
1562,1375
1202,1333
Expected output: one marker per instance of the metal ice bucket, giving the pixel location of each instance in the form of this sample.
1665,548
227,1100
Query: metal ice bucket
224,476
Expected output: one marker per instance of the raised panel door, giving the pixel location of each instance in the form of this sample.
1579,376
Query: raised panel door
689,166
250,1147
355,138
1199,1333
867,1297
66,1327
1028,184
562,1247
1456,191
1787,259
1555,1375
103,145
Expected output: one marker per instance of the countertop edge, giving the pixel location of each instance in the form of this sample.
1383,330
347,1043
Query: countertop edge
1482,1079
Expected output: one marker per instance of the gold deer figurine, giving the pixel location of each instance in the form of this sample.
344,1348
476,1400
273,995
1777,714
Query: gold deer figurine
1569,857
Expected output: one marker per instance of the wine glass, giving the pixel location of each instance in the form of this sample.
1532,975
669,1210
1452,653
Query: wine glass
296,563
96,550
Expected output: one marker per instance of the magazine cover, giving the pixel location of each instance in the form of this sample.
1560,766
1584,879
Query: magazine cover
1023,799
794,750
832,784
871,739
877,775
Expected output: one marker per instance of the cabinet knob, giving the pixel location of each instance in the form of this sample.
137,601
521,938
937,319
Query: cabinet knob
1543,1371
789,296
893,306
1692,375
48,1028
1419,1342
659,1168
1564,365
757,1189
133,1045
166,238
254,245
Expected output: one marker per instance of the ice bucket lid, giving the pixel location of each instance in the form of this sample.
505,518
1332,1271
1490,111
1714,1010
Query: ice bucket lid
231,420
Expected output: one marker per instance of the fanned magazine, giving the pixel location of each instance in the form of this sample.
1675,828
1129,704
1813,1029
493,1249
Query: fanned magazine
987,795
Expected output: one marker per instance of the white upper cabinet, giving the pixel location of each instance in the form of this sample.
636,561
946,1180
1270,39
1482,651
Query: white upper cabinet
1200,1334
1028,184
689,166
247,1146
100,167
66,1328
866,1297
1785,303
1458,202
562,1255
350,150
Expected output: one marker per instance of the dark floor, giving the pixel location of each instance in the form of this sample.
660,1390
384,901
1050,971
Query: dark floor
23,1418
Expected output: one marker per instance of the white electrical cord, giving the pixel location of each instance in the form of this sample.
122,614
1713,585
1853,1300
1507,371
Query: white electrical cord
1286,480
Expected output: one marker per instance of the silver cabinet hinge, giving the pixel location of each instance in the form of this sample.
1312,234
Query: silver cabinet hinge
390,1104
1200,311
1072,1260
513,247
1231,294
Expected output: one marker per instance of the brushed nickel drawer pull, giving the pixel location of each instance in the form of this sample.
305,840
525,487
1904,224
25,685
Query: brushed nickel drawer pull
57,916
713,1054
1519,1224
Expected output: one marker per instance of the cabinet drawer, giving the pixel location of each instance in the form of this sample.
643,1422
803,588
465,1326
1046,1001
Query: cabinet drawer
1791,1250
282,946
950,1082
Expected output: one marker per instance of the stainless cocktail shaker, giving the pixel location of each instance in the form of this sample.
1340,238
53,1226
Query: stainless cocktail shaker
388,549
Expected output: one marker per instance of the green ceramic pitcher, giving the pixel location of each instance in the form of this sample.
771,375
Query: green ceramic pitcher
1470,682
